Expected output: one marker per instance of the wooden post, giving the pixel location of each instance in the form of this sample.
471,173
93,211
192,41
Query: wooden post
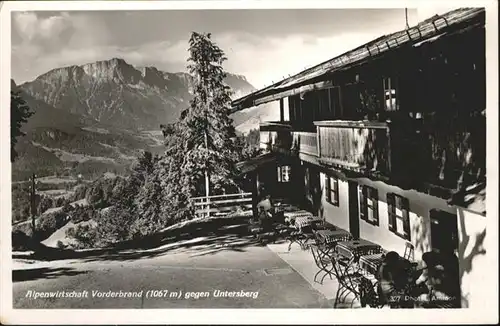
331,110
282,110
207,182
255,194
318,139
389,154
33,204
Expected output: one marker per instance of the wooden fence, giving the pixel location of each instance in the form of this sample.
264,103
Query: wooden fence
221,205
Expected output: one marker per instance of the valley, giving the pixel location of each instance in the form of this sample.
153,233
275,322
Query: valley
92,122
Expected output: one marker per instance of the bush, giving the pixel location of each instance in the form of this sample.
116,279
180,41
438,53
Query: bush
20,241
79,192
50,223
86,236
61,245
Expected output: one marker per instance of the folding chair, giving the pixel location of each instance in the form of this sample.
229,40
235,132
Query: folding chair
323,261
350,281
409,253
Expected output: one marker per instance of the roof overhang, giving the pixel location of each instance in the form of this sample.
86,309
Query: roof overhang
316,77
255,163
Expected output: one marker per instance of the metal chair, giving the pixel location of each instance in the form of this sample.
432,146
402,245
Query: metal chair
409,253
350,281
323,261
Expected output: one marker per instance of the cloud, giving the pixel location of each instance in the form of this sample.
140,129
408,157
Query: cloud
25,23
30,27
78,38
46,42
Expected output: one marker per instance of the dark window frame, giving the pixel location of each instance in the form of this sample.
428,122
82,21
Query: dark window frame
280,171
365,193
391,84
335,191
394,202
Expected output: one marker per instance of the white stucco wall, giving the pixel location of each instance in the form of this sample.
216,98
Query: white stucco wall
471,230
338,216
472,259
420,224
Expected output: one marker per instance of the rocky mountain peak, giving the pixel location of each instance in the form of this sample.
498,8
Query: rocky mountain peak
118,93
115,69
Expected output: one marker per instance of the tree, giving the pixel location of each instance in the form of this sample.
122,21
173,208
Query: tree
207,130
253,137
19,114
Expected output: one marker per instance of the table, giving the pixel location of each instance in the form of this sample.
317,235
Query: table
357,248
285,208
292,215
371,263
329,237
302,216
304,221
300,219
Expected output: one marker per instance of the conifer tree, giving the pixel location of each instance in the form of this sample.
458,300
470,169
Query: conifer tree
19,114
207,130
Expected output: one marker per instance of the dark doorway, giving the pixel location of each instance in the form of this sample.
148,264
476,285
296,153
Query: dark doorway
353,209
444,231
315,185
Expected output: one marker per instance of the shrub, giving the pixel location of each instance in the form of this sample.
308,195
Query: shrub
86,236
20,241
61,245
49,223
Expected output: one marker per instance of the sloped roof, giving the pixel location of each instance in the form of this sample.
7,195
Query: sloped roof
255,162
429,29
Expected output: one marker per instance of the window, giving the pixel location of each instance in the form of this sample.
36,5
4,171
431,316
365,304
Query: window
368,204
332,190
284,173
351,102
399,219
390,100
294,108
286,109
324,105
334,98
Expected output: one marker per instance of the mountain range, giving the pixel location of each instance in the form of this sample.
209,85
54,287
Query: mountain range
97,117
116,93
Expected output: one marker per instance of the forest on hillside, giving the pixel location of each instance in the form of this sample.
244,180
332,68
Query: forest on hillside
104,203
199,158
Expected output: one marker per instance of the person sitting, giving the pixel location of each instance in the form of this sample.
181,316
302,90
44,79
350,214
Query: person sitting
266,205
440,278
265,212
392,280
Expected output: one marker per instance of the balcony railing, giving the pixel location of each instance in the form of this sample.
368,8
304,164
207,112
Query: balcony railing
357,145
445,154
279,137
305,142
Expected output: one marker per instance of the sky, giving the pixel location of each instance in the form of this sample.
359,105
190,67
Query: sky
263,45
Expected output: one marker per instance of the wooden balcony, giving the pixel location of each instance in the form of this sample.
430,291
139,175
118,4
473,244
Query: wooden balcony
444,154
305,142
279,137
356,145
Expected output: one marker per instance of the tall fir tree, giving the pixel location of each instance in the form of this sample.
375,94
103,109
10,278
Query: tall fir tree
207,130
19,114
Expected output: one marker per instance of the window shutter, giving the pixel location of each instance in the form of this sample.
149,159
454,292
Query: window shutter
362,202
327,187
391,206
406,217
336,190
374,196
